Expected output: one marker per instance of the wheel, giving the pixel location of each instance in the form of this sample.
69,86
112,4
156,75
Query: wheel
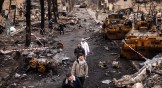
41,68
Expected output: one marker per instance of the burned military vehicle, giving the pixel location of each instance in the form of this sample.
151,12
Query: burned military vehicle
44,59
143,41
116,27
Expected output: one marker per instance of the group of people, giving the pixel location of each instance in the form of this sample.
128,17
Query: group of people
79,71
60,26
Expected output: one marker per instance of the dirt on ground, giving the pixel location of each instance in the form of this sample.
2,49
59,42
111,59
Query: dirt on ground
101,51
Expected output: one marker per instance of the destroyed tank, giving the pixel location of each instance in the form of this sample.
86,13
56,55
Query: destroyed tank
116,27
143,41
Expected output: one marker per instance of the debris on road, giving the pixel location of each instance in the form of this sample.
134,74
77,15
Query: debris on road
102,64
17,75
114,53
115,64
106,48
106,81
149,75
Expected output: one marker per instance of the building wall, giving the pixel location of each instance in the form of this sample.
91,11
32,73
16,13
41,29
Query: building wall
124,4
65,5
119,4
18,3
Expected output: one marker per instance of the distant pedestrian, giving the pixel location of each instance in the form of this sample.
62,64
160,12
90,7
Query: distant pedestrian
79,50
158,17
71,82
80,69
85,46
154,20
50,24
142,17
61,28
96,15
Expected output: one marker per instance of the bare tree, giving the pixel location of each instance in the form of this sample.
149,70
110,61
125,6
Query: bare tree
42,17
10,6
49,11
1,5
55,10
28,23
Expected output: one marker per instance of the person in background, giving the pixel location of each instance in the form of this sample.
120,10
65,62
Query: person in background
142,17
80,69
79,50
50,24
96,14
61,28
71,82
85,46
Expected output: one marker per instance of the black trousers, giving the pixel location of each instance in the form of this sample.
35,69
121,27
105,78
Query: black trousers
61,32
82,79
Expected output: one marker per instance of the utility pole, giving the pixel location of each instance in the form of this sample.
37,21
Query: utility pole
28,23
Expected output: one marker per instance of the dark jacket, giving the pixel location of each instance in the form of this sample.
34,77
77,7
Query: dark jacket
61,27
78,51
75,84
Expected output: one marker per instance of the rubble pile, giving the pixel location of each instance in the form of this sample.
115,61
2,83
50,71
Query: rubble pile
102,64
149,75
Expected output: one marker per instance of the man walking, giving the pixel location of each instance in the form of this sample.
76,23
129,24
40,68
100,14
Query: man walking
71,82
80,69
61,28
79,50
50,24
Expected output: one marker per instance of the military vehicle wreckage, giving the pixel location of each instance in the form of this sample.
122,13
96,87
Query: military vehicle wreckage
48,60
142,41
116,27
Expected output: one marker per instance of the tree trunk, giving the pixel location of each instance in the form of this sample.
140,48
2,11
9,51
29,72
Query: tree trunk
49,12
28,31
14,17
55,10
49,9
9,6
1,5
42,17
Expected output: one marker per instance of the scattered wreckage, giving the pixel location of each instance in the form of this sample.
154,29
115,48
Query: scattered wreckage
83,5
149,76
41,59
